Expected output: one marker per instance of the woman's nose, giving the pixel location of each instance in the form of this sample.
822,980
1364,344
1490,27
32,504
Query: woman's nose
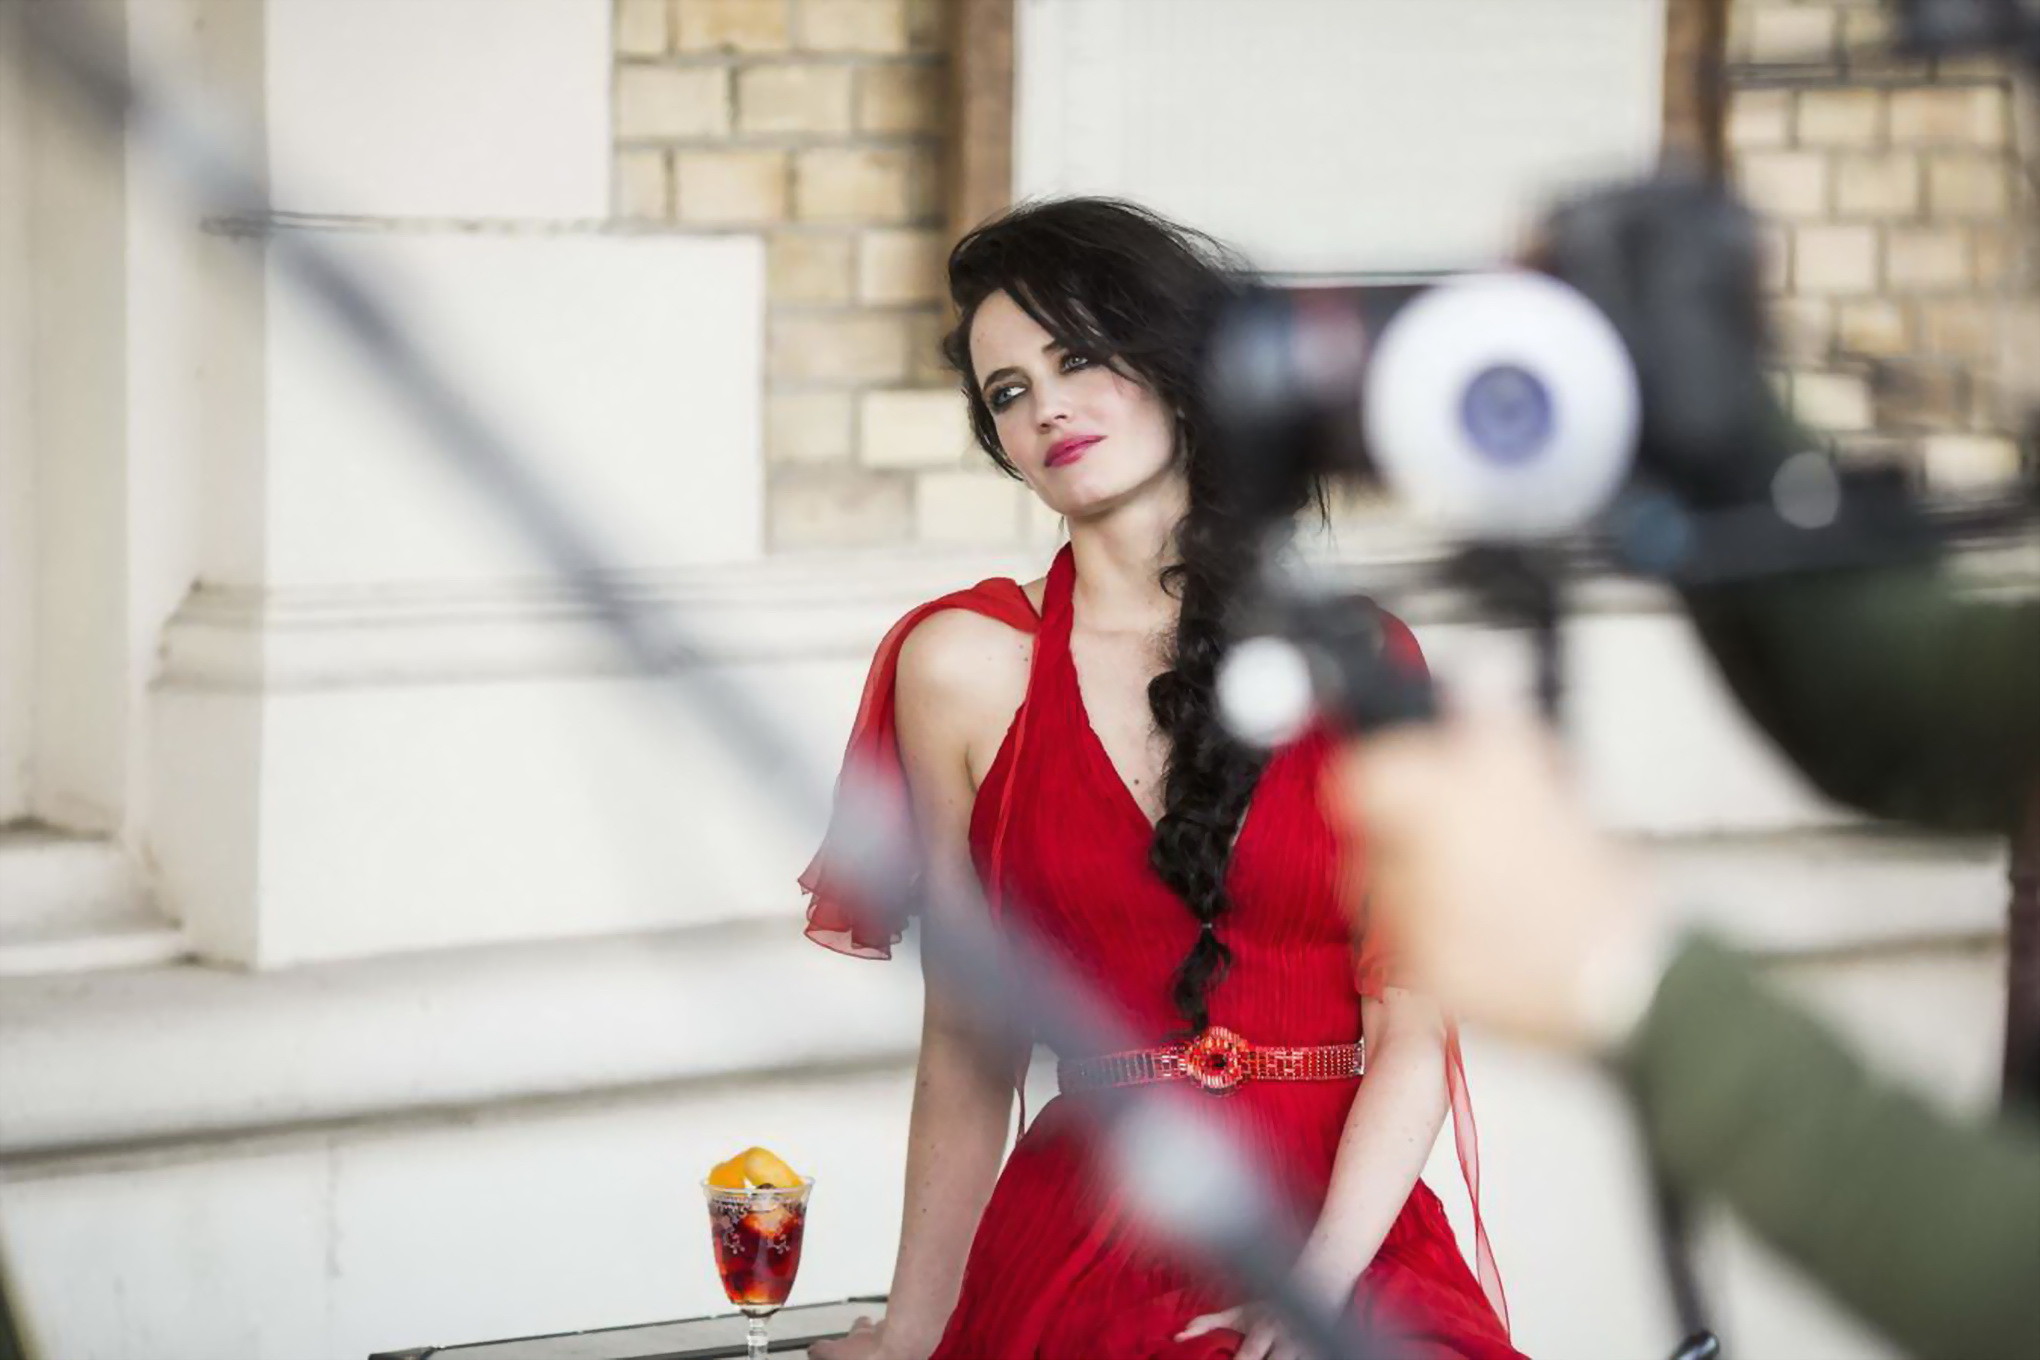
1051,404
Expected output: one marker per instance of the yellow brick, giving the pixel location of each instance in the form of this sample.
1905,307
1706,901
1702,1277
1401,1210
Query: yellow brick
924,349
733,25
1931,257
641,188
1971,115
1877,186
1841,118
661,101
852,184
791,99
809,427
1996,257
902,266
1837,402
810,267
1805,328
723,188
1801,34
925,183
914,429
1962,465
1969,186
1760,120
1961,328
1738,37
841,347
854,25
1868,31
900,99
1788,184
1835,260
968,507
641,29
1923,396
928,24
830,508
1875,329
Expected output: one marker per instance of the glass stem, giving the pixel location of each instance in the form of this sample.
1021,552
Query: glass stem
754,1338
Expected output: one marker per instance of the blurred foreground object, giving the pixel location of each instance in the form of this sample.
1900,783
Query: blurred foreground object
1892,690
1506,903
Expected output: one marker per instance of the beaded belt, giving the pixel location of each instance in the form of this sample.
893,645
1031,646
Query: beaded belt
1217,1060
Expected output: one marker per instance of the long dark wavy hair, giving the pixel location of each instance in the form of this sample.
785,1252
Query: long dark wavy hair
1126,286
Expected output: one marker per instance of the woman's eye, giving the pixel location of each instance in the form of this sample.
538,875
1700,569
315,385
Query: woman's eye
1073,361
1002,397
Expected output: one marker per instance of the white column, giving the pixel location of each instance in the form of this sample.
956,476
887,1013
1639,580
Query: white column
17,433
380,723
77,242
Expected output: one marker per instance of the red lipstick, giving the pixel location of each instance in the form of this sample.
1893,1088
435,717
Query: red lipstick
1070,450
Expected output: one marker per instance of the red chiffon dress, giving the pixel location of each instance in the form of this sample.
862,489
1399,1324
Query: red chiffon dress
1058,1268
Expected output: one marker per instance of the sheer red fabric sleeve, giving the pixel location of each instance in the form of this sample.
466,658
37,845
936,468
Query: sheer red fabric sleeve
872,768
1374,972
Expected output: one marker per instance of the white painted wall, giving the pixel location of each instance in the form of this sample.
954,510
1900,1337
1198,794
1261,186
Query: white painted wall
1334,136
439,108
627,365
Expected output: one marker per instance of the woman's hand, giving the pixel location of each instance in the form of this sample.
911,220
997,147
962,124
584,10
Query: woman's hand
1266,1337
864,1341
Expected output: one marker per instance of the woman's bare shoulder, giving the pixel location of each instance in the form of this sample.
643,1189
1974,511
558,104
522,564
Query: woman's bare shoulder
963,671
960,650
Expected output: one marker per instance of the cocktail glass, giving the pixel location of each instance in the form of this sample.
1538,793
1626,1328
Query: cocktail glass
756,1236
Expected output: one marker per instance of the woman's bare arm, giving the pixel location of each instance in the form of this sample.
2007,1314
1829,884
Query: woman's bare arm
958,674
1388,1136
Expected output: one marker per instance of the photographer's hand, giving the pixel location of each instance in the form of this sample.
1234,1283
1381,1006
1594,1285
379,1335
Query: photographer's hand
1496,893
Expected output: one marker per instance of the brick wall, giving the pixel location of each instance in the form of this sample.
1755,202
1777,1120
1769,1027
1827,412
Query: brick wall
819,124
1899,259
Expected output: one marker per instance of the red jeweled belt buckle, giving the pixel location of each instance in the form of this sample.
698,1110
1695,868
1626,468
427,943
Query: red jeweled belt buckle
1216,1059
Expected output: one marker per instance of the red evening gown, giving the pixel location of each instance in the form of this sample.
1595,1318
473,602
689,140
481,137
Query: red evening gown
1058,1268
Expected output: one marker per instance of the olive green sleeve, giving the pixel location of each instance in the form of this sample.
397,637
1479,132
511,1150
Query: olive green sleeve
1894,692
1924,1226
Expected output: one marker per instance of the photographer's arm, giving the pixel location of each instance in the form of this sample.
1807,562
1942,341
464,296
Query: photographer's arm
1927,1227
1894,692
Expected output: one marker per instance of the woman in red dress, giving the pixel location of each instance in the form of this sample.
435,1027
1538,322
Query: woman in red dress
1059,742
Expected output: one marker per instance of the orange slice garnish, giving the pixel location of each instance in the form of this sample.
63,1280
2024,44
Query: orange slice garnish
766,1171
728,1175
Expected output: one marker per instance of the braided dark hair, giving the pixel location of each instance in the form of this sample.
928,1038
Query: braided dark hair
1117,281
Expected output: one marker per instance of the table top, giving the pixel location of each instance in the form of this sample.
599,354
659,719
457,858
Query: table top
707,1338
